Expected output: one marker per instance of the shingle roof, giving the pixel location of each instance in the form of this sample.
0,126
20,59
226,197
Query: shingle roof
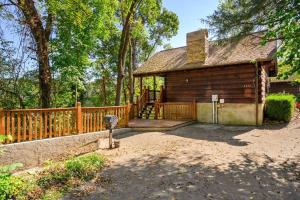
244,50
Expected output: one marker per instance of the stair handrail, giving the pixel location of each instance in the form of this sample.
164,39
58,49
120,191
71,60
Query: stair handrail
142,100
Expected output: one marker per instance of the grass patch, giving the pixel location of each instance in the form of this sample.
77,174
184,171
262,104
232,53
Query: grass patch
55,180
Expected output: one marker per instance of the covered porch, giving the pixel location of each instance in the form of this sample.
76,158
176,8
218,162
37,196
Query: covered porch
151,109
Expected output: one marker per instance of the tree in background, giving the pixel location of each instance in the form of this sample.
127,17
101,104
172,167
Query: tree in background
279,18
64,31
81,27
146,25
39,23
92,49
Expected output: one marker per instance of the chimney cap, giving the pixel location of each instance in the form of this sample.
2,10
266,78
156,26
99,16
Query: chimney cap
197,34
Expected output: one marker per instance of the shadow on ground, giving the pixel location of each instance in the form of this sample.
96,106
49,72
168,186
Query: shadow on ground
161,177
213,132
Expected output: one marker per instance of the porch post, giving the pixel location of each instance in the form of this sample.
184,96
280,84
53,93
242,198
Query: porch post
154,87
2,122
141,85
161,94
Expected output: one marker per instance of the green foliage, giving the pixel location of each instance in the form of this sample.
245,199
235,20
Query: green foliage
280,107
83,50
11,187
84,167
69,174
52,182
280,19
298,98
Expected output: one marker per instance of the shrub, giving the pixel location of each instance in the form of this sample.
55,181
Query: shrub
60,177
11,187
280,107
84,167
51,183
298,98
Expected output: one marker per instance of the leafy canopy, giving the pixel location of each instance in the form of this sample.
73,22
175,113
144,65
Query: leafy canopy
280,19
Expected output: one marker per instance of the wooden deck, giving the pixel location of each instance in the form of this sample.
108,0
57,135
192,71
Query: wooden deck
150,124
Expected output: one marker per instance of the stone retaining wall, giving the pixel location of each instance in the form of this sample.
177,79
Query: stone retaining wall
35,153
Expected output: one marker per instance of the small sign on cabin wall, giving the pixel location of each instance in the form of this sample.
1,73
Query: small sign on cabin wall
214,97
247,86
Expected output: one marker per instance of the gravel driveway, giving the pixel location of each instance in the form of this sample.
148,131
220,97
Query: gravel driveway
202,162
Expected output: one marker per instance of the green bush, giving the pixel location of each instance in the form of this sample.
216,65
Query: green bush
84,167
298,98
69,174
11,187
51,183
280,107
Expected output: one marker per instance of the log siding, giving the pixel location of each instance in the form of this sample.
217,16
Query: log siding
235,84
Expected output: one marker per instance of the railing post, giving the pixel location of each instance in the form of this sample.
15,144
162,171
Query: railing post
156,110
161,95
194,109
127,112
148,94
137,105
78,117
2,128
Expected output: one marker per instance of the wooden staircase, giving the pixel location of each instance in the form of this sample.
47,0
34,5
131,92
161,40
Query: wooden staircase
148,111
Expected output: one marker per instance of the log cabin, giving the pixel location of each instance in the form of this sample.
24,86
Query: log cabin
227,79
284,86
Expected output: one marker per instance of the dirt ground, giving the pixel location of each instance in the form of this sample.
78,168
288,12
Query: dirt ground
202,162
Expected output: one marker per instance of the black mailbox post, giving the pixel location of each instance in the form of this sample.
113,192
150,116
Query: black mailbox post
111,122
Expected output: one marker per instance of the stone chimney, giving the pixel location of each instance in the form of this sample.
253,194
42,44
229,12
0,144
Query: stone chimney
197,46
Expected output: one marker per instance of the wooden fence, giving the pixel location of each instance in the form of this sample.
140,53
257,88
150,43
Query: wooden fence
33,124
176,110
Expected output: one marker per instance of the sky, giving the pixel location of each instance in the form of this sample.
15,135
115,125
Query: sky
190,13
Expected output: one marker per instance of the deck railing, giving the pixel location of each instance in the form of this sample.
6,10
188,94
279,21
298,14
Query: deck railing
175,110
33,124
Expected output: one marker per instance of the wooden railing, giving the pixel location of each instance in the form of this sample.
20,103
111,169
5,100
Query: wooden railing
33,124
93,117
147,96
176,111
141,101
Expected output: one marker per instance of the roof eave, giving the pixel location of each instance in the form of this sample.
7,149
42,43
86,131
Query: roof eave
162,72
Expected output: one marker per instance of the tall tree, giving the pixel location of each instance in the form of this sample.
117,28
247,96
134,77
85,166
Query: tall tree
40,25
126,15
149,25
76,25
81,27
280,19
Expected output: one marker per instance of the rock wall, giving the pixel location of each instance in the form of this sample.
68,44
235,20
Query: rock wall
35,153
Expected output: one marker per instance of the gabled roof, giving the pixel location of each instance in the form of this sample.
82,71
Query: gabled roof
245,50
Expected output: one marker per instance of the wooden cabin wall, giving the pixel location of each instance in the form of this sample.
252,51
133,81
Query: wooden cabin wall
235,84
263,82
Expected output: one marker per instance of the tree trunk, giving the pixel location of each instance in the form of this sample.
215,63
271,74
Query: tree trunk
41,37
125,95
123,51
130,75
103,81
